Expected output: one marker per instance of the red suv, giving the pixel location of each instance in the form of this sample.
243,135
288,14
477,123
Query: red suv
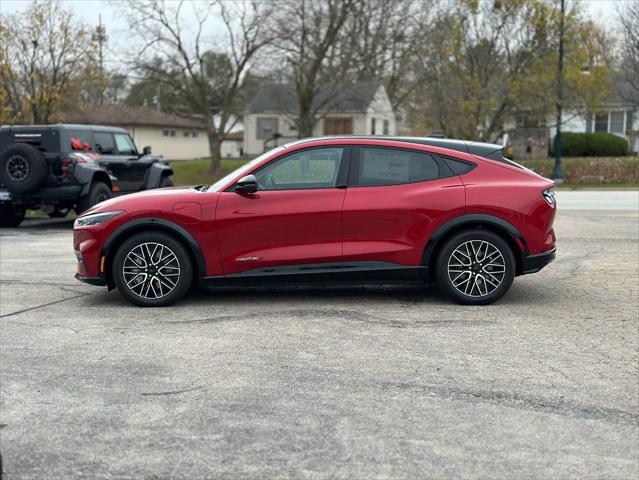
339,209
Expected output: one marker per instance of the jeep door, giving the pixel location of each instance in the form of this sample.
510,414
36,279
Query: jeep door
119,155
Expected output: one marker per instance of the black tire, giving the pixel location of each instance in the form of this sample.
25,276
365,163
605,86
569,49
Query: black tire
166,182
99,192
162,288
58,213
23,168
11,216
475,267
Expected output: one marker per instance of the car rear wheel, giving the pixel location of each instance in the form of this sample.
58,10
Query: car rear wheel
166,182
475,267
152,269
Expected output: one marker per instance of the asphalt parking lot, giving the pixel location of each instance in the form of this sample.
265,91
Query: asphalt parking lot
356,382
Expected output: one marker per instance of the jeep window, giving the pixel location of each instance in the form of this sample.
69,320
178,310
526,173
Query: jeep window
104,143
125,144
80,140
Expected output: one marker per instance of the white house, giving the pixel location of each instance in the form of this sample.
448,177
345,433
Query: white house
361,108
172,136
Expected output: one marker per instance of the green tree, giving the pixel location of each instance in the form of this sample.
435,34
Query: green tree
48,63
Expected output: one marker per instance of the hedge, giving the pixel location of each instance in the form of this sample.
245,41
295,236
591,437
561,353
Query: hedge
591,170
592,145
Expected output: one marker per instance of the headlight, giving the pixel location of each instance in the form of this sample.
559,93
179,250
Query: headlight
95,218
549,196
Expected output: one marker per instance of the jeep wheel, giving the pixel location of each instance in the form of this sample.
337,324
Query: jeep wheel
166,182
23,168
11,215
99,192
58,213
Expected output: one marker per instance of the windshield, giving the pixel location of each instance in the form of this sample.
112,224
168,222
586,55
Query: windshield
244,168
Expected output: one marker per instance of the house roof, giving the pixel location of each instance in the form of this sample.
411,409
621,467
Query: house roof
125,115
346,97
624,88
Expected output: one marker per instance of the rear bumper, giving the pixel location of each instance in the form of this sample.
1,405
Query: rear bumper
534,263
97,281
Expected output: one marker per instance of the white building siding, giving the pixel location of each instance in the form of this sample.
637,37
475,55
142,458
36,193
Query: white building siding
172,147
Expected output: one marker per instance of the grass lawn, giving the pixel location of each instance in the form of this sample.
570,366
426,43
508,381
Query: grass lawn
196,172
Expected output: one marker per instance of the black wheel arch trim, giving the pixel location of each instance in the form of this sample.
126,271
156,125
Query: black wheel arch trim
160,224
474,219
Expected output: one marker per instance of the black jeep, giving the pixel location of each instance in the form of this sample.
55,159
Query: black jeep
59,167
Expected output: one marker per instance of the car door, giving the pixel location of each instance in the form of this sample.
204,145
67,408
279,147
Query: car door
292,221
396,199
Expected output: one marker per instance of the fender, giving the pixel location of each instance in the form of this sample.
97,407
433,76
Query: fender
473,219
159,224
86,173
155,173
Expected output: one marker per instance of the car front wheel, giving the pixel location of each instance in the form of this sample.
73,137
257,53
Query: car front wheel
152,269
476,267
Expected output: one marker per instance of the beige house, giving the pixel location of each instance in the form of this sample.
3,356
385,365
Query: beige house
172,136
361,108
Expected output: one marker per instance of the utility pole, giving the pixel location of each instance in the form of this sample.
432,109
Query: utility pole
557,174
100,37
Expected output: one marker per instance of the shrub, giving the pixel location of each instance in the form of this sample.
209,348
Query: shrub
584,171
592,145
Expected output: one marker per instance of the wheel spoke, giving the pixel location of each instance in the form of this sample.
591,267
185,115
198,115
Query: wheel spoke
151,270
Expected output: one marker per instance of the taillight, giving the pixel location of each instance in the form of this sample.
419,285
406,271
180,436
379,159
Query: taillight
549,196
66,167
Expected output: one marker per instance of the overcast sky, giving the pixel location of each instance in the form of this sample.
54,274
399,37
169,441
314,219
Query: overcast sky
116,23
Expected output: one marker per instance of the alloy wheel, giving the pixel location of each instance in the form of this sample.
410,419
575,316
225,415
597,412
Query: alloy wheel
17,168
151,270
476,268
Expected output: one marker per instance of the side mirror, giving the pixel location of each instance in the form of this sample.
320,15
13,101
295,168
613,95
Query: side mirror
146,151
246,184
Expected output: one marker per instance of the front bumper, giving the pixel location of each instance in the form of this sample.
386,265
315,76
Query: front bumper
534,263
97,281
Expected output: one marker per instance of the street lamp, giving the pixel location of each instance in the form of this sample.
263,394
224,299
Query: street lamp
557,174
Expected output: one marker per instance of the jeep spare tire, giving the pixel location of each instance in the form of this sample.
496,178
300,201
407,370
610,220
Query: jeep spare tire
23,168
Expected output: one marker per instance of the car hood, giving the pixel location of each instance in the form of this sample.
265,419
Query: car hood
147,200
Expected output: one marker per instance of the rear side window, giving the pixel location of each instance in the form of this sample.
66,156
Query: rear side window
80,140
390,166
458,167
104,143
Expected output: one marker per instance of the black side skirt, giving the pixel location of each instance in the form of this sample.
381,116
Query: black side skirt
372,272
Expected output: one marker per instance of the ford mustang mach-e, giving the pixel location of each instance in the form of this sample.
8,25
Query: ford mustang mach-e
334,209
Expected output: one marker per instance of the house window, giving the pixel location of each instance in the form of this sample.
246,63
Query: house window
267,127
372,126
195,134
616,122
386,127
186,134
338,126
168,133
601,122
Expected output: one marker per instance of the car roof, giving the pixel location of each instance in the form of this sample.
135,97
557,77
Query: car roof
67,126
466,146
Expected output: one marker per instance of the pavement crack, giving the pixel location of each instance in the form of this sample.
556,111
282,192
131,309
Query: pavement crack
18,312
521,402
174,392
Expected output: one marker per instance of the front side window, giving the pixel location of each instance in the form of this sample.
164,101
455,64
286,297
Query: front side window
308,169
388,166
125,144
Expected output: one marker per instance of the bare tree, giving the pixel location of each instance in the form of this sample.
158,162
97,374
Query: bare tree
629,19
310,34
47,62
207,79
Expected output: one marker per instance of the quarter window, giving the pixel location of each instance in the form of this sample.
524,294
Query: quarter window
386,166
308,169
